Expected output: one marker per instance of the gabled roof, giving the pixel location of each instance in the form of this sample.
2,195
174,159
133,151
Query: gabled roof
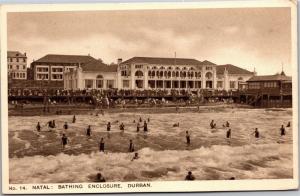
15,54
98,66
276,77
162,61
58,58
232,70
207,63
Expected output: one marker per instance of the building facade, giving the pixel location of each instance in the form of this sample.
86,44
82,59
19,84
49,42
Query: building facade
52,66
17,65
142,73
91,75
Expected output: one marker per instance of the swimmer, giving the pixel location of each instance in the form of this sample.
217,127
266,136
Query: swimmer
282,131
188,138
88,131
100,178
38,127
289,124
228,133
101,145
256,133
108,126
136,156
66,126
145,126
190,176
74,119
131,146
64,140
122,127
176,125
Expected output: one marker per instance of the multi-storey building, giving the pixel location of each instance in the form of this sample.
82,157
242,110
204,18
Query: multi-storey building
156,73
52,66
17,65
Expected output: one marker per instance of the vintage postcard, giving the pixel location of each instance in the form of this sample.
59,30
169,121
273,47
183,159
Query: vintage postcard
149,97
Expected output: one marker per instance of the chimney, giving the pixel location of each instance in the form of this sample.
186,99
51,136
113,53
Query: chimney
119,61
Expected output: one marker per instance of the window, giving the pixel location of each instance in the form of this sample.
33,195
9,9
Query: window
88,83
10,66
18,66
208,68
17,59
42,69
208,75
138,66
110,83
57,69
24,60
270,84
232,84
254,85
219,84
24,66
139,73
57,76
99,83
125,83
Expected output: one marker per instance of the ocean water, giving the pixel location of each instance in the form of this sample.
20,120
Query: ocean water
163,153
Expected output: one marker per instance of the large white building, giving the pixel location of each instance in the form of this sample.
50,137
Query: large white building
156,73
17,65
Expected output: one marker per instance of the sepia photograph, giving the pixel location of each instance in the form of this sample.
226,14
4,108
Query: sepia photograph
99,96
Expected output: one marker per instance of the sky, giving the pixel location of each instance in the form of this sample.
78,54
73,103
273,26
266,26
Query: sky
250,38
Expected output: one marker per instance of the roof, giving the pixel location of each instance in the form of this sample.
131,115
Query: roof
232,70
207,63
97,65
15,54
162,61
276,77
58,58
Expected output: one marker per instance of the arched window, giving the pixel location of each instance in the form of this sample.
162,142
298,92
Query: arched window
161,74
99,81
208,75
196,75
177,73
153,73
139,73
149,73
184,74
165,73
169,74
157,73
173,74
199,75
192,74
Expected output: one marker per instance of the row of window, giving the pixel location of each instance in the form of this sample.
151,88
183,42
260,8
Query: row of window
17,67
45,76
46,69
17,59
88,83
17,75
232,84
257,85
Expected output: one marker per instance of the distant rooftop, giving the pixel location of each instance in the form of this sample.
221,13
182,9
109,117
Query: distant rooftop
163,61
276,77
58,58
15,54
232,70
97,65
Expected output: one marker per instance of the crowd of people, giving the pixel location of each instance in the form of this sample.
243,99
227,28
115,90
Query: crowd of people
131,147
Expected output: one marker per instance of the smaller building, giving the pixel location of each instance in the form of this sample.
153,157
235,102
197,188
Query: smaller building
92,75
269,91
17,65
52,66
278,83
230,77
